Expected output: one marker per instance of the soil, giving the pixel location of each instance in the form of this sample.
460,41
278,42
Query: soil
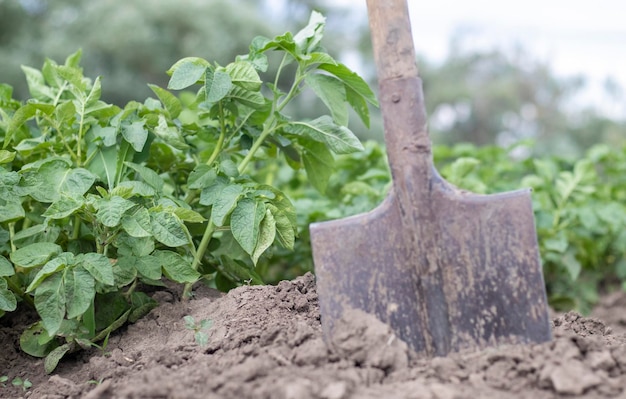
265,342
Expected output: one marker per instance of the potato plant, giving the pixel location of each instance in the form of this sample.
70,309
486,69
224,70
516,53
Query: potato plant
98,202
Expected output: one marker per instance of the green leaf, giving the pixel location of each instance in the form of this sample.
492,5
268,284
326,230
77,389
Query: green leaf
352,81
332,93
171,103
338,138
225,203
168,229
170,134
55,177
6,268
243,74
6,156
50,303
63,207
148,175
137,224
229,168
104,165
34,255
51,268
31,341
94,93
245,221
136,135
148,266
285,230
79,291
267,234
252,99
37,85
99,266
142,304
319,164
186,72
310,36
177,268
217,85
186,215
52,360
8,302
111,210
201,177
359,105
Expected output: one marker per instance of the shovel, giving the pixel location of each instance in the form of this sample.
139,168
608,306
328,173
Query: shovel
447,270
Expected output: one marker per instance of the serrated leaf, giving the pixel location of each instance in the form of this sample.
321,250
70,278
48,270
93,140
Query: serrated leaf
243,74
171,103
225,203
177,268
80,289
267,234
332,93
34,255
52,360
168,229
99,266
50,303
186,72
245,221
111,210
217,84
136,135
338,138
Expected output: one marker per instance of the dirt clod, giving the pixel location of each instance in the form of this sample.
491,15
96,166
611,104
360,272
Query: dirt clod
266,342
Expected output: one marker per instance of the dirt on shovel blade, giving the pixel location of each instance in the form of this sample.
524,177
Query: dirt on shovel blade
266,342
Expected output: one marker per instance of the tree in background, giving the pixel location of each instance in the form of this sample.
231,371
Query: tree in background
483,97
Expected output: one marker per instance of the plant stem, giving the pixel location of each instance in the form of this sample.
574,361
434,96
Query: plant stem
204,244
76,232
18,290
257,144
220,140
11,234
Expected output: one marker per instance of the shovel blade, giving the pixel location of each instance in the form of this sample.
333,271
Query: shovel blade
466,276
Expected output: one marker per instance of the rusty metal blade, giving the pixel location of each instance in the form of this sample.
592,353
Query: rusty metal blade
446,269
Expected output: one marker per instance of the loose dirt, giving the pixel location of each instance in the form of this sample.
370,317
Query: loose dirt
265,342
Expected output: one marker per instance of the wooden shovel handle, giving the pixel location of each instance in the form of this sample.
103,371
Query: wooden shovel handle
401,99
394,51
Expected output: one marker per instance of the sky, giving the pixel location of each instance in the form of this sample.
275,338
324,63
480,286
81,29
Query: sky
573,36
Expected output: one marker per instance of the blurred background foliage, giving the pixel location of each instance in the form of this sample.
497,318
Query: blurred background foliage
573,155
482,97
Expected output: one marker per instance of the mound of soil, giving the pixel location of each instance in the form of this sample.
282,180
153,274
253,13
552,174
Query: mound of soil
266,342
